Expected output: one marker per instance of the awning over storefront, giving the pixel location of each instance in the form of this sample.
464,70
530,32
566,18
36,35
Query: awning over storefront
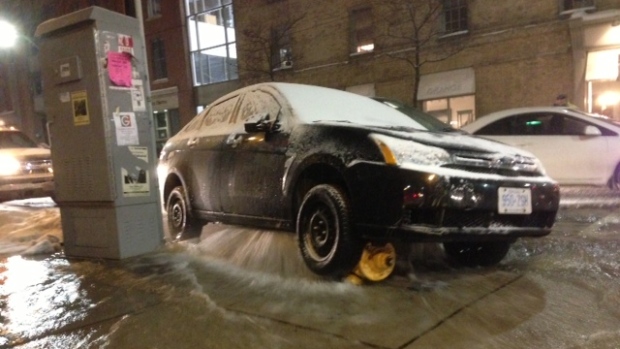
447,84
603,65
167,98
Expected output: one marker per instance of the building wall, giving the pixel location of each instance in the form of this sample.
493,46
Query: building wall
520,50
170,27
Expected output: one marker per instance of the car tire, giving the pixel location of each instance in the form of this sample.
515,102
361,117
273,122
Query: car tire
325,236
615,180
179,223
473,254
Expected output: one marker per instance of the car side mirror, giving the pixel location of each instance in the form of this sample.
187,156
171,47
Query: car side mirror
592,131
260,123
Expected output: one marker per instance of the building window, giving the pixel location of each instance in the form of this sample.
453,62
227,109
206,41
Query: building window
574,5
455,16
212,40
362,36
160,71
282,55
456,111
154,8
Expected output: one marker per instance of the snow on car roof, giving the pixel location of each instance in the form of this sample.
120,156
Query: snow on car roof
314,103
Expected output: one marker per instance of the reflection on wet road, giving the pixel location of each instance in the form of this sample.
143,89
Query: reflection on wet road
240,288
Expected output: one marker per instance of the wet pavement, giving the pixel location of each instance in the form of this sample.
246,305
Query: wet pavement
241,288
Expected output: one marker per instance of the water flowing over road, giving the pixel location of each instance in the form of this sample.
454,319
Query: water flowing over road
240,288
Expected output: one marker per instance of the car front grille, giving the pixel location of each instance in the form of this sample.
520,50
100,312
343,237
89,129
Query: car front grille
36,166
493,170
502,164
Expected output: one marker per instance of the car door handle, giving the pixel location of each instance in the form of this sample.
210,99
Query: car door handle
192,142
234,140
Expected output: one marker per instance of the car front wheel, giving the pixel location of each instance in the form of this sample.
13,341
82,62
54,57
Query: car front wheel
472,254
324,232
180,225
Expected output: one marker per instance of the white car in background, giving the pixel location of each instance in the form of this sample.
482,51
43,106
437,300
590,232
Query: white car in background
574,147
25,167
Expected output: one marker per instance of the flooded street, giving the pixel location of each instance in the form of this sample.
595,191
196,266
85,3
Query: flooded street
243,288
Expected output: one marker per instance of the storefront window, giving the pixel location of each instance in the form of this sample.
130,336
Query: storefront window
456,111
603,79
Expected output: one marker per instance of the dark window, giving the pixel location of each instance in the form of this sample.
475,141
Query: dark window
519,125
362,36
154,8
282,55
160,71
455,16
569,5
538,124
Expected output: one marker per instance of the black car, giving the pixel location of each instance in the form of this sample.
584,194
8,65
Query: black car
345,172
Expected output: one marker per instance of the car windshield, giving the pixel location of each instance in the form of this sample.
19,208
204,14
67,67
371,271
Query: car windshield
428,121
15,139
314,104
598,117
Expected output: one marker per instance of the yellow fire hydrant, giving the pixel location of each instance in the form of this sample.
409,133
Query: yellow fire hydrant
376,264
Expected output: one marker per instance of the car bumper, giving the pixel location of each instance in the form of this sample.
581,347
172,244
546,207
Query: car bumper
430,204
16,188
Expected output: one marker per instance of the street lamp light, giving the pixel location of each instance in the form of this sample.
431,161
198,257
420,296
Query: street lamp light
8,34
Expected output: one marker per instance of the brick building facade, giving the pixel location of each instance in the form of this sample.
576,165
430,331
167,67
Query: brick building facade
506,54
476,56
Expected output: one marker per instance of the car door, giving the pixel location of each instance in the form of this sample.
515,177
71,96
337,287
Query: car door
204,171
559,141
254,163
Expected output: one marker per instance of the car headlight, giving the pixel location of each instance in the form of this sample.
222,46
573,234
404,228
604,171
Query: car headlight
398,151
9,165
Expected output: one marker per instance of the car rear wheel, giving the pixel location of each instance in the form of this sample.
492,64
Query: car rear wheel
472,254
180,225
615,180
325,236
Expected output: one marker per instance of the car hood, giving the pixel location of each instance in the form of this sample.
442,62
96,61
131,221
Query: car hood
26,152
451,141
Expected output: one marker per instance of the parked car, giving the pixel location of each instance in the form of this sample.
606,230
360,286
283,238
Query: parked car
573,146
25,167
345,172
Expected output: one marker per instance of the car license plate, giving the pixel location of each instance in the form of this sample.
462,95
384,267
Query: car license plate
514,200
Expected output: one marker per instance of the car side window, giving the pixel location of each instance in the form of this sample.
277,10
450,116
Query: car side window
195,122
220,114
574,127
503,127
256,102
538,124
524,125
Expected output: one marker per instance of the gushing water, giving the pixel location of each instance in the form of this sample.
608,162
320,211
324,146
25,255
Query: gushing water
264,251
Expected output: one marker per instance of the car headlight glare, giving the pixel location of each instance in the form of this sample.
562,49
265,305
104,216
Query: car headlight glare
398,151
9,165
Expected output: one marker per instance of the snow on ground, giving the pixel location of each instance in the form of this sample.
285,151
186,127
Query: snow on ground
29,227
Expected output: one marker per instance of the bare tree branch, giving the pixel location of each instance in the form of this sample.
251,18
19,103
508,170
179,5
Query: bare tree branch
262,51
413,29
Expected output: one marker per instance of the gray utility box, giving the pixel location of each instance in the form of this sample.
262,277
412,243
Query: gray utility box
102,138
